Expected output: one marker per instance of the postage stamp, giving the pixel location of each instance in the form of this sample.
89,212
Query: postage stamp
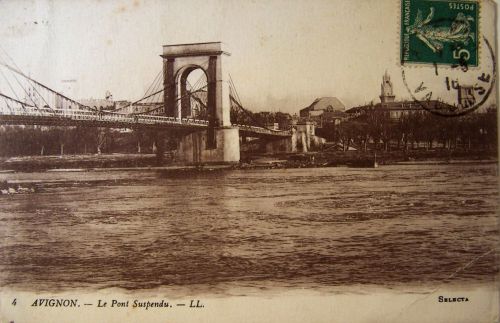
442,32
452,91
458,62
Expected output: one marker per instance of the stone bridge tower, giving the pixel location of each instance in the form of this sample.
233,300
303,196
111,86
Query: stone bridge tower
220,142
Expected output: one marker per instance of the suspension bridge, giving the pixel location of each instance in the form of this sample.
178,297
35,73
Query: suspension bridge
197,113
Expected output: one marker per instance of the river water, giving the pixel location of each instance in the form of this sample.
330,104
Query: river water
395,225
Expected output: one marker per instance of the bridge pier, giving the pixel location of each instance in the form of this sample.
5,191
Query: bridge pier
101,139
306,138
159,144
287,144
195,148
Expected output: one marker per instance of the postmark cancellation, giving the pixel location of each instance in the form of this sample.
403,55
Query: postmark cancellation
453,53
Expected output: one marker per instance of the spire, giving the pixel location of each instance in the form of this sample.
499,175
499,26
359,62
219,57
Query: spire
386,92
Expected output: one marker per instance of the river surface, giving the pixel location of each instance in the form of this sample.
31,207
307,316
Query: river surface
395,225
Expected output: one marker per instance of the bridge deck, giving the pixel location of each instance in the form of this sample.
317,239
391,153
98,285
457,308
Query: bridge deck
83,118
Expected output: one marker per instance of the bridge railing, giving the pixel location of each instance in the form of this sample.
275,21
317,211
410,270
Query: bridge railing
113,117
107,116
263,130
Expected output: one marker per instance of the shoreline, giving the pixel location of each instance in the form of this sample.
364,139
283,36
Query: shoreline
241,167
14,187
142,162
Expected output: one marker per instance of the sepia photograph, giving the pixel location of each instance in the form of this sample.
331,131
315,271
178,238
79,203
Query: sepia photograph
249,161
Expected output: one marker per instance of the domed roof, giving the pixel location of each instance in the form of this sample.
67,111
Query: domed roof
327,103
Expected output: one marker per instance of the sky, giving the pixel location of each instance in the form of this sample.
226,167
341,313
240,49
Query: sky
284,54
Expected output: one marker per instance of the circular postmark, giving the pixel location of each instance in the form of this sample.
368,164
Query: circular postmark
452,91
442,64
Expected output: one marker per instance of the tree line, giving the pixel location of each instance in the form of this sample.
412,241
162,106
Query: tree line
375,129
36,140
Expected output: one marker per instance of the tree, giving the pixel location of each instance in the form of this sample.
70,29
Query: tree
378,122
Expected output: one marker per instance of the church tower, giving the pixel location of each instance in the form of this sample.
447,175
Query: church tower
386,93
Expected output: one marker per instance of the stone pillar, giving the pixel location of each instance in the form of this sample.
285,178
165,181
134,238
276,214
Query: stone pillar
294,141
101,139
223,103
169,86
160,147
212,102
304,142
184,106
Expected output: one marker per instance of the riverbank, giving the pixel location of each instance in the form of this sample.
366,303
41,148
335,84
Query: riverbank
367,159
76,162
283,160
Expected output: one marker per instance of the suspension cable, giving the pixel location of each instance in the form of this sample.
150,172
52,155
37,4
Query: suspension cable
34,88
47,88
10,86
176,100
17,101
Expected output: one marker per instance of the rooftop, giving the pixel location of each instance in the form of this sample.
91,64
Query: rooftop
327,103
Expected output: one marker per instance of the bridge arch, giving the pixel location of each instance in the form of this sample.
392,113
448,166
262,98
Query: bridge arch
192,105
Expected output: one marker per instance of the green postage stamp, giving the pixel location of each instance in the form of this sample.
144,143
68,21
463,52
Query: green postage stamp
439,32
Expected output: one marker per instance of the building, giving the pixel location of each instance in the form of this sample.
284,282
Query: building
323,111
466,96
99,104
395,109
140,107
